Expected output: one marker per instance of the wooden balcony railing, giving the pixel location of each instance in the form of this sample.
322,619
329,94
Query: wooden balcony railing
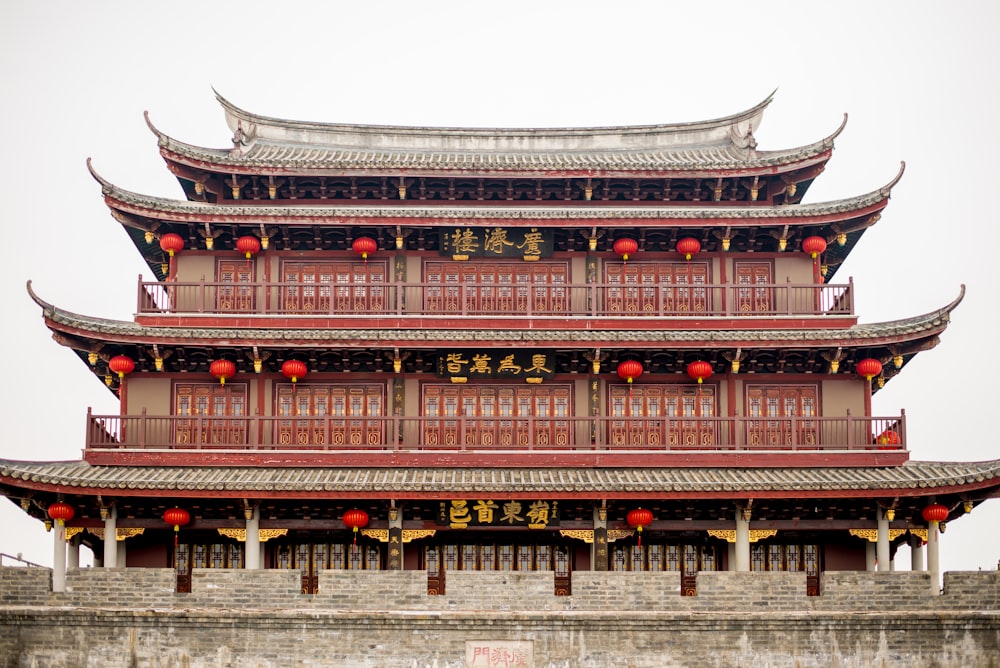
460,434
520,300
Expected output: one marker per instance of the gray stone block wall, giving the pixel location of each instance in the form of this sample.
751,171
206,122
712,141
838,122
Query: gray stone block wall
132,618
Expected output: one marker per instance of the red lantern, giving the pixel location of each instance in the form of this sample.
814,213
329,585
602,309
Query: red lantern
222,369
364,246
688,246
176,517
935,513
888,438
814,246
699,370
248,245
294,369
869,368
625,247
171,243
629,370
355,519
61,512
639,518
121,365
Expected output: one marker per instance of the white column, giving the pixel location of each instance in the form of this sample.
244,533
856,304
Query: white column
731,555
73,560
111,538
58,557
120,552
882,551
917,553
742,542
253,541
933,564
869,556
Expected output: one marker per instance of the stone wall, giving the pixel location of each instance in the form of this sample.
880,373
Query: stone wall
132,618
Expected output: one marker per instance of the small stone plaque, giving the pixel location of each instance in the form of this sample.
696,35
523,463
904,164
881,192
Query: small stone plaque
498,654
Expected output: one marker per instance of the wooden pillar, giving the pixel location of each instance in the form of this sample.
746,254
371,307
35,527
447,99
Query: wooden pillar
882,546
599,557
395,560
251,560
110,537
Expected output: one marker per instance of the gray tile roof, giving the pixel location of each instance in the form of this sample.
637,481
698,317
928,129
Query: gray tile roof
835,481
274,143
250,213
906,329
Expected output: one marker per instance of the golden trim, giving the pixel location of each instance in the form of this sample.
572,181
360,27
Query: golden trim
72,531
615,534
381,535
417,534
120,534
728,535
586,535
761,534
263,535
871,535
919,533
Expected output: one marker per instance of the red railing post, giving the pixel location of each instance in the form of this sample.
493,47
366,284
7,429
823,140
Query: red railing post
850,430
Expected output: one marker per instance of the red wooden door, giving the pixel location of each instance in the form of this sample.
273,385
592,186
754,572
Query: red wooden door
497,416
754,300
210,413
657,416
657,288
331,415
779,415
334,287
236,292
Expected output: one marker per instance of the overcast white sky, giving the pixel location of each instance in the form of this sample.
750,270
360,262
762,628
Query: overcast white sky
918,80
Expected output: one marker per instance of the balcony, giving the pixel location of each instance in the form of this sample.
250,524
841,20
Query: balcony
503,301
499,441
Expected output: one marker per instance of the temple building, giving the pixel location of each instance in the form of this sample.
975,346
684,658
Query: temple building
453,349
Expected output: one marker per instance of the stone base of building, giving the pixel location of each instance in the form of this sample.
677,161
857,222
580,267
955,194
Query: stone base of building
131,618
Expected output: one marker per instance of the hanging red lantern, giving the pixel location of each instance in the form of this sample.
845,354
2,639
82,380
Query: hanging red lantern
364,246
625,247
814,246
355,519
248,246
222,369
629,370
935,513
176,517
61,512
121,365
699,370
639,518
869,368
171,243
294,369
688,246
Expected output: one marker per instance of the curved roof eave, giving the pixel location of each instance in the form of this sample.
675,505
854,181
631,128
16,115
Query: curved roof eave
183,211
676,162
914,478
894,331
265,125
